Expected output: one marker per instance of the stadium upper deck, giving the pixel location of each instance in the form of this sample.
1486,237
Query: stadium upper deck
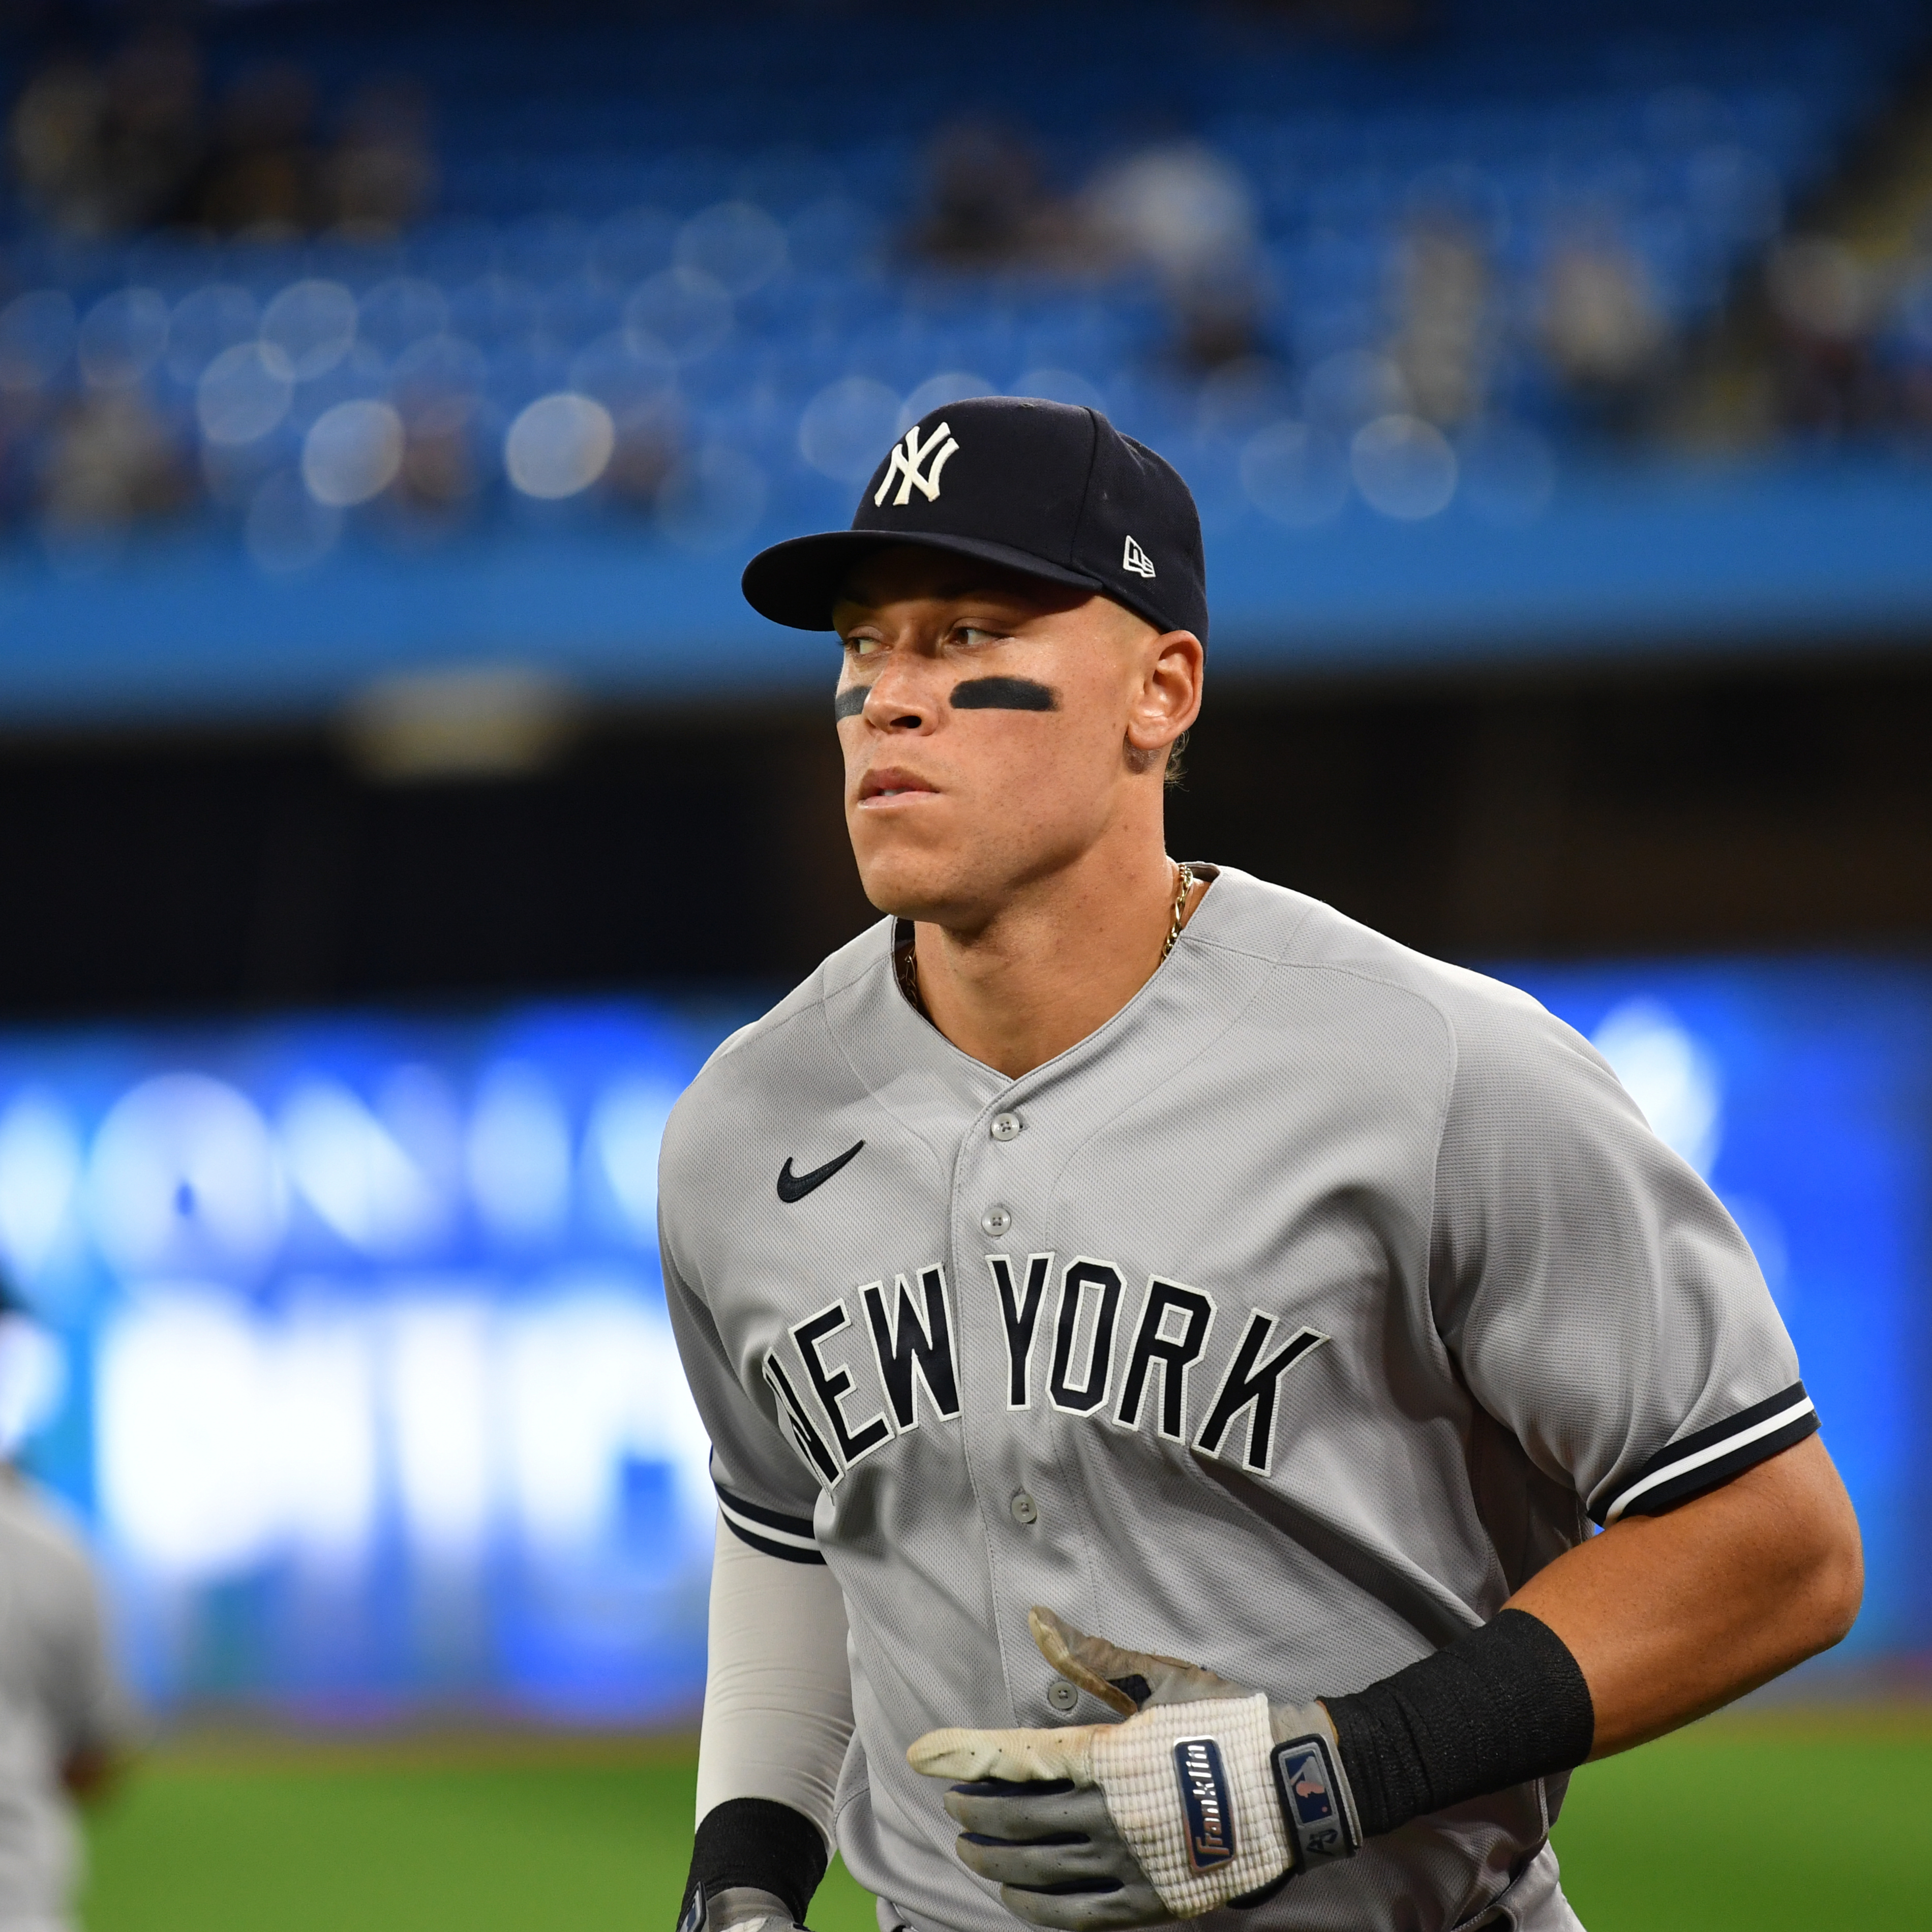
339,342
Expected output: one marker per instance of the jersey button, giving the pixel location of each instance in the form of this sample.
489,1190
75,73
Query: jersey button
996,1221
1024,1509
1005,1126
1061,1695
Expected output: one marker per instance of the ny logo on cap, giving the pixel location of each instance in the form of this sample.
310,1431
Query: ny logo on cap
1136,559
907,458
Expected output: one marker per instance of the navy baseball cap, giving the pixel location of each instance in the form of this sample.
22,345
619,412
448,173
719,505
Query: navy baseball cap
1046,488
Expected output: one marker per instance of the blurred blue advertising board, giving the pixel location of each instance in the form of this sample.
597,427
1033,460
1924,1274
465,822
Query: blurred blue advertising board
360,1375
369,1395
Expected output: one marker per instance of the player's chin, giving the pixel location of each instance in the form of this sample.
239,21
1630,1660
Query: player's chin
902,848
909,881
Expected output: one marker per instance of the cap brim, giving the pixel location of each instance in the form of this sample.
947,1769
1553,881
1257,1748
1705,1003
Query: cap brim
796,583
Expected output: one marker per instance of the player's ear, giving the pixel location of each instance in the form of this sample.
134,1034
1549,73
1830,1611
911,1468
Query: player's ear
1167,699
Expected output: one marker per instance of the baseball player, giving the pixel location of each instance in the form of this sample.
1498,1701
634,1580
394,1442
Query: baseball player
64,1721
1165,1345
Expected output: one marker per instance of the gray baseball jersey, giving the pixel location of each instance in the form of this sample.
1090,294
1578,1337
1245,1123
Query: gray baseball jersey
1288,1323
58,1695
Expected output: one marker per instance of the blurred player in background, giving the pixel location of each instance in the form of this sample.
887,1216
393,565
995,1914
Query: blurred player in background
65,1722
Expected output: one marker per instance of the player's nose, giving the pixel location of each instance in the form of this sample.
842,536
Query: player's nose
903,696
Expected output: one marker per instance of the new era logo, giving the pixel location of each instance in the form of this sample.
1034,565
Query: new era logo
908,458
1133,558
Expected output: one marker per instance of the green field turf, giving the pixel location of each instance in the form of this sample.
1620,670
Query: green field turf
1758,1823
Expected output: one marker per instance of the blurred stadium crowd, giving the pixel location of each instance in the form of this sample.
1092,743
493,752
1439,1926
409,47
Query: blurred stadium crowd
292,271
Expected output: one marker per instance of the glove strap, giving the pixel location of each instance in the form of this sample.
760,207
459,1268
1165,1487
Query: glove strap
1318,1809
743,1908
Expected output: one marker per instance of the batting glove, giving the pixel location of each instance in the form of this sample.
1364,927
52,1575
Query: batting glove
738,1908
1207,1795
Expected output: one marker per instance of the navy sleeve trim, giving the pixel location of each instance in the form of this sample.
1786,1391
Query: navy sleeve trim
770,1530
1709,1459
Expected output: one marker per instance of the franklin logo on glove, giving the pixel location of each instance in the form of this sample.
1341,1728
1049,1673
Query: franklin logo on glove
1204,1791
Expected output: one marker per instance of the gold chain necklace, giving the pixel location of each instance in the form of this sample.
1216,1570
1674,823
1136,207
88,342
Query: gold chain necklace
1183,884
905,959
905,963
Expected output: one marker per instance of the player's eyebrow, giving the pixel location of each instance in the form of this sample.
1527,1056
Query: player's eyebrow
1003,694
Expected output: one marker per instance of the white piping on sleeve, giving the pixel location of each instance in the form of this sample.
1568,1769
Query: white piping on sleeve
1745,1437
752,1526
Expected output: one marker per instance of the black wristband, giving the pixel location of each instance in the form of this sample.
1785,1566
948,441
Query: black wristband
756,1842
1505,1704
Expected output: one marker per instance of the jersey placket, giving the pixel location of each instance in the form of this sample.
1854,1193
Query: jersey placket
1006,1296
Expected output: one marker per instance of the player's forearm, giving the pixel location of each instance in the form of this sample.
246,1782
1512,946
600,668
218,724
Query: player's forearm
1652,1623
778,1694
1671,1616
778,1718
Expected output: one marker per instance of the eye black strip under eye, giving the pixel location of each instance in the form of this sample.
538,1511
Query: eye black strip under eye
1003,694
850,702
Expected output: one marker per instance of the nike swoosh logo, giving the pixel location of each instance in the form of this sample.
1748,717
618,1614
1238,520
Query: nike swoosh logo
796,1186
